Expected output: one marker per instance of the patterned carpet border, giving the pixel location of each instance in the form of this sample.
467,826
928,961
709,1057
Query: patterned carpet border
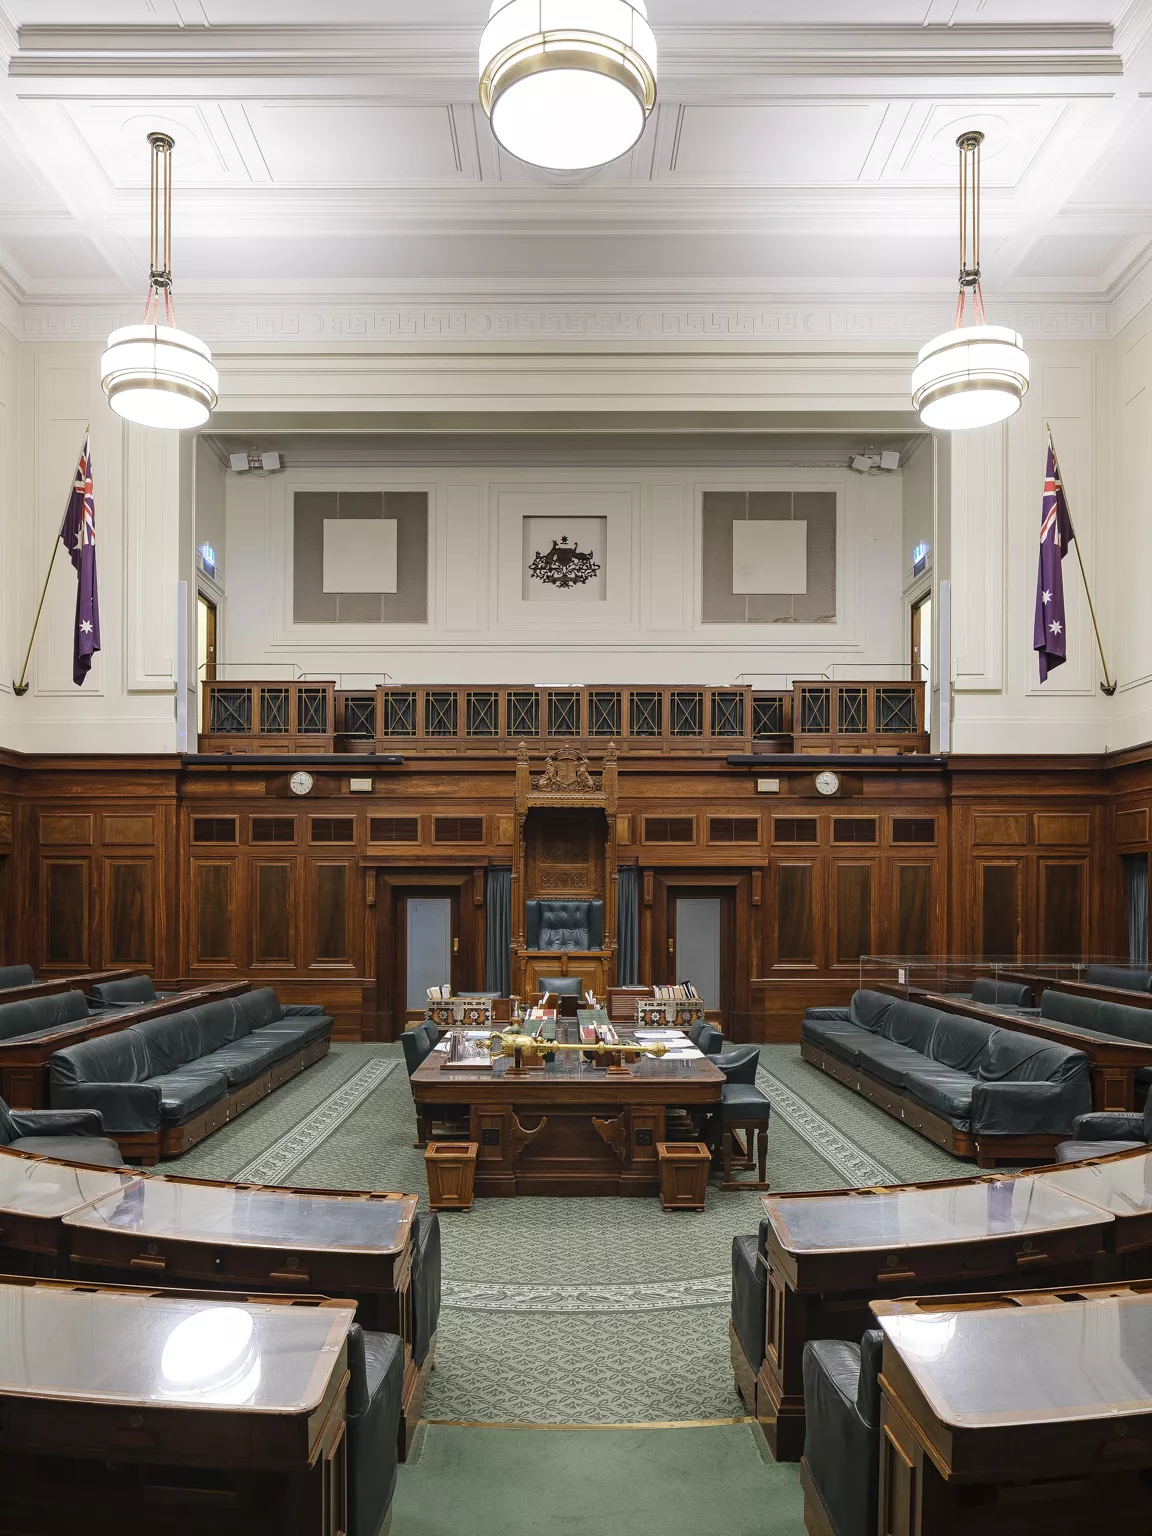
276,1162
853,1164
661,1296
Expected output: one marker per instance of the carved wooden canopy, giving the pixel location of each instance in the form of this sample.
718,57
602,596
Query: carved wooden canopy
566,780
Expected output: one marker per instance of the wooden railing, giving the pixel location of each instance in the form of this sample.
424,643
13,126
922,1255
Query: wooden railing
814,716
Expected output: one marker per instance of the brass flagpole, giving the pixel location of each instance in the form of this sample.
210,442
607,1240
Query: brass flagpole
1107,687
21,688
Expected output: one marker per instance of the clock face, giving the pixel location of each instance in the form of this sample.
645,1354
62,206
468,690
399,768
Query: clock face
828,783
300,783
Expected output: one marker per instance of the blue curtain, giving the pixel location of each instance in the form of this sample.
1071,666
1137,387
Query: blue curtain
499,925
627,925
1136,880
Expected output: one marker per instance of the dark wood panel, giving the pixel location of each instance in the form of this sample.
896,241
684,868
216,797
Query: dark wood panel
332,911
795,915
853,909
998,896
213,896
913,909
64,887
1062,909
273,892
129,911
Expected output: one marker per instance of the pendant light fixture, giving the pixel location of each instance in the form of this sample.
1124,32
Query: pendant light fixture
154,374
978,374
568,84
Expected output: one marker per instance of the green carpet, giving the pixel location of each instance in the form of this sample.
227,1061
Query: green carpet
588,1311
648,1482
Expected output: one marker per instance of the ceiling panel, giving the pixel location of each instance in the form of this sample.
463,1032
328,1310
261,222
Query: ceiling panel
662,12
1125,175
1084,257
355,142
1015,132
56,258
775,144
116,135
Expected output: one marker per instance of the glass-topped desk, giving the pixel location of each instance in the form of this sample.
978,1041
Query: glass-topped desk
828,1255
358,1246
1050,1395
35,1196
237,1390
1122,1186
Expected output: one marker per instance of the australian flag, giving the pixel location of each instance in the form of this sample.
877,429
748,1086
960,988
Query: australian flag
1049,639
78,535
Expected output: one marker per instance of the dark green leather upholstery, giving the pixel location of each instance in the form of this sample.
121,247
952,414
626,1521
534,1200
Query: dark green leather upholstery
561,986
16,976
569,925
750,1294
1118,976
132,991
990,1080
842,1429
42,1015
68,1135
1103,1132
375,1399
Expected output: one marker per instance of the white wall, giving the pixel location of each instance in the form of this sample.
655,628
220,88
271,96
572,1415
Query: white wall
1128,610
649,629
10,654
126,703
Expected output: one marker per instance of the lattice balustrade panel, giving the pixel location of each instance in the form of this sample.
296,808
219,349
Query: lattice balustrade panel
441,713
230,713
523,712
644,713
275,712
686,714
312,712
727,714
604,714
482,714
815,711
563,714
852,712
360,716
399,713
896,711
767,716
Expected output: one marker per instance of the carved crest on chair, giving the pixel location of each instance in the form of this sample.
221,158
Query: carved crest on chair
566,780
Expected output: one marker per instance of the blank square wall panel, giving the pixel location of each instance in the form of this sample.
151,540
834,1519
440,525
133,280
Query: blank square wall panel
359,555
769,558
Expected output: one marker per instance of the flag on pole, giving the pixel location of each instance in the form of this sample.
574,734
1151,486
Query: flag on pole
78,535
1049,635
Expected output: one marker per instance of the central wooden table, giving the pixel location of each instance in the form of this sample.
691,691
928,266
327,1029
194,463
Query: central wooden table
569,1127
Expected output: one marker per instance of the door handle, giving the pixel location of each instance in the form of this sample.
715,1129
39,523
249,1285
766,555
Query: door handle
455,946
671,946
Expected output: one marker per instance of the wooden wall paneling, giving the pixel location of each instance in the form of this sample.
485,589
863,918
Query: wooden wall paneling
795,913
129,910
217,907
1062,909
852,910
275,887
329,910
913,908
65,913
999,909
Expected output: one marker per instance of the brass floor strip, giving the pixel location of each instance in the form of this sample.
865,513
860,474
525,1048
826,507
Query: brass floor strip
648,1424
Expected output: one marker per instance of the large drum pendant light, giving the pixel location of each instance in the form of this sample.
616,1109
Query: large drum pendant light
154,374
568,84
977,374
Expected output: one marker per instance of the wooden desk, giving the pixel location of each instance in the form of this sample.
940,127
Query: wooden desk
1017,1414
35,1196
569,1128
1122,1186
78,983
1114,1060
830,1254
245,1237
236,1409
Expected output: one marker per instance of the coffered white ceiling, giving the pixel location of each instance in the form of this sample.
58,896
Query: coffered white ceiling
786,158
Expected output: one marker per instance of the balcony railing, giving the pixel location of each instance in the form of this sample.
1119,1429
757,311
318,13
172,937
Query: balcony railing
813,716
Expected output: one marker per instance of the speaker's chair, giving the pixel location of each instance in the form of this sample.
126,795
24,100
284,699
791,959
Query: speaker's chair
568,926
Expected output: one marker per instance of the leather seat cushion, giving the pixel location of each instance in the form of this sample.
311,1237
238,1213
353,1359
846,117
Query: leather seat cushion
1077,1151
869,1009
889,1062
131,989
300,1032
184,1094
841,1445
374,1404
959,1042
243,1060
836,1036
1004,994
1118,976
910,1024
943,1090
258,1008
72,1149
743,1101
35,1015
749,1298
16,976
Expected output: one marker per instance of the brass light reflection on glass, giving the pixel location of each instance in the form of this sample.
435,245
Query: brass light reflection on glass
155,374
973,375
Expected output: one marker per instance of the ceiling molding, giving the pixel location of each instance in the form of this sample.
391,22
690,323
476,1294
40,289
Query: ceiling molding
559,324
448,53
1132,298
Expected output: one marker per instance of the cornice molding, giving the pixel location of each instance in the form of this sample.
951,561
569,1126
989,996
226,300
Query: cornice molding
1133,297
981,49
508,325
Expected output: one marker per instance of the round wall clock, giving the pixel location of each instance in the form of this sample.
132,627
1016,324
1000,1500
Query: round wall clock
828,783
301,783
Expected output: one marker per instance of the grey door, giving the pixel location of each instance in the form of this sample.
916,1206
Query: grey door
429,947
698,946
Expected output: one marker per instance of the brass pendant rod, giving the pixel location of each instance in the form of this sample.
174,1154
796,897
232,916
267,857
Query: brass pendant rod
1107,687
